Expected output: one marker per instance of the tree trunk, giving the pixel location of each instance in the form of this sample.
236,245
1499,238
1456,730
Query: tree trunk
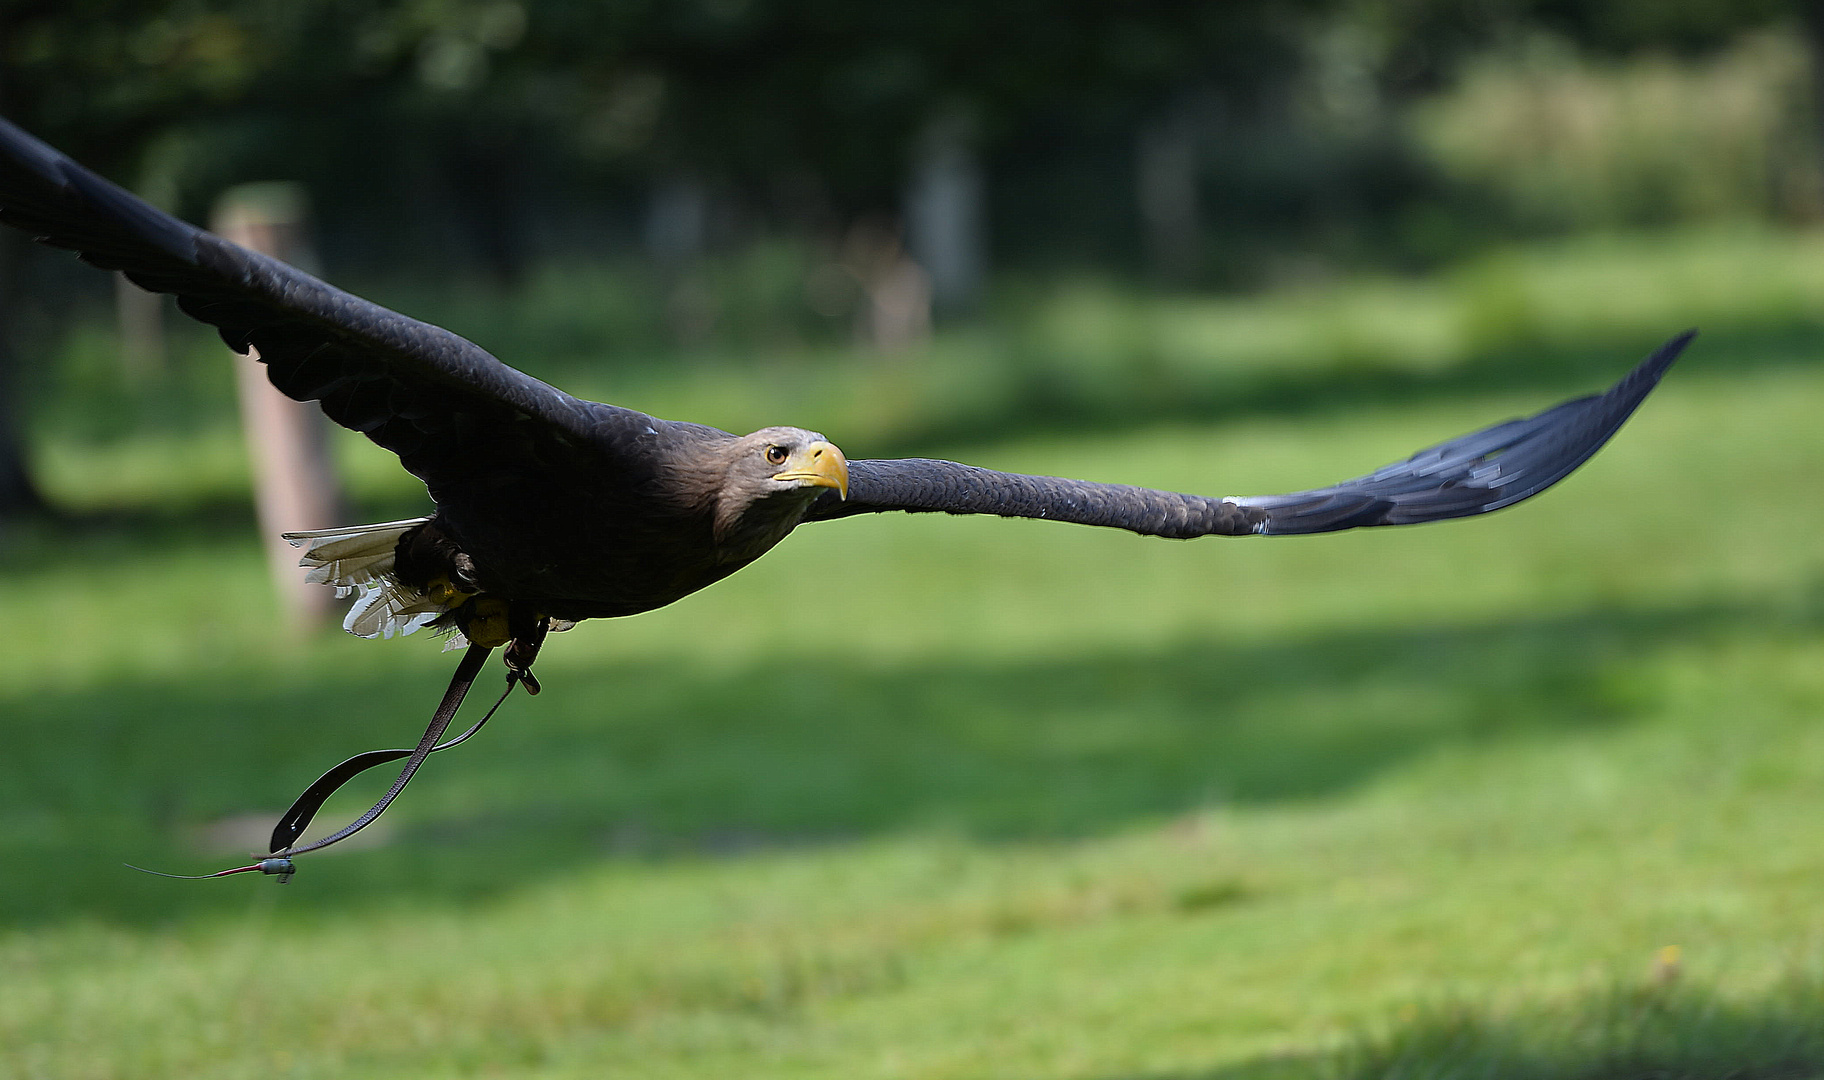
141,316
295,485
1812,23
945,215
19,496
1166,170
676,228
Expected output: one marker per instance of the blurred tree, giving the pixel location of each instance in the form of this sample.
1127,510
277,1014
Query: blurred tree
944,216
1167,168
1420,42
18,494
478,123
460,109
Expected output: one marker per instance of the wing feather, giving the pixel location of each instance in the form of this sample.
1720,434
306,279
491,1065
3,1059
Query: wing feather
1479,472
436,399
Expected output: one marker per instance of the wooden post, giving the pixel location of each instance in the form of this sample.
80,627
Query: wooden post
295,486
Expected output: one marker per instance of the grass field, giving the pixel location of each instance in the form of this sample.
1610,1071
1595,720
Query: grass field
1532,795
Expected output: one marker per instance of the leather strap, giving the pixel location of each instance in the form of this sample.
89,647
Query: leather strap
297,819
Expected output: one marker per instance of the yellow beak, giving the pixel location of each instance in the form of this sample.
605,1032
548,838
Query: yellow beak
818,465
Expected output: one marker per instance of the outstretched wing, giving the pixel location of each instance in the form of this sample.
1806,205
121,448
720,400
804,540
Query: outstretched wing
442,403
1479,472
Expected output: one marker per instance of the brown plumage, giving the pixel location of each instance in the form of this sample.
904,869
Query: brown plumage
552,509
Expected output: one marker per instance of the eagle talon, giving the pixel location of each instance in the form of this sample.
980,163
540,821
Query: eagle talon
528,637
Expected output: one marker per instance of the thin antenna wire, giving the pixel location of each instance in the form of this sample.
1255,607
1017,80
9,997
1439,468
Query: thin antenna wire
280,866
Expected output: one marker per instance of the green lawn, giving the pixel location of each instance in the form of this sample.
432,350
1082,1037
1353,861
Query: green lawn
936,798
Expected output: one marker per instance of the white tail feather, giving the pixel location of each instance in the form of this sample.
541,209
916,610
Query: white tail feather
352,555
386,608
360,557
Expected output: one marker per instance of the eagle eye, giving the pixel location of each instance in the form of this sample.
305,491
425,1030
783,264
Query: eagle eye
775,455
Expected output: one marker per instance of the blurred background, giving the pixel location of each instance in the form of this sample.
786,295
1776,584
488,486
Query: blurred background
1528,795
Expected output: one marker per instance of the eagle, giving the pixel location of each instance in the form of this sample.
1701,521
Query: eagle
551,509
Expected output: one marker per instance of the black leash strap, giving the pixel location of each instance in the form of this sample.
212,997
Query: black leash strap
295,820
298,817
520,653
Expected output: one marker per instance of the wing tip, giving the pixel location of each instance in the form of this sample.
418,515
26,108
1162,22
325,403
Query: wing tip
1662,358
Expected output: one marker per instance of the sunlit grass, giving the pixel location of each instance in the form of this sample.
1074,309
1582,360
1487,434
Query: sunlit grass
932,797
